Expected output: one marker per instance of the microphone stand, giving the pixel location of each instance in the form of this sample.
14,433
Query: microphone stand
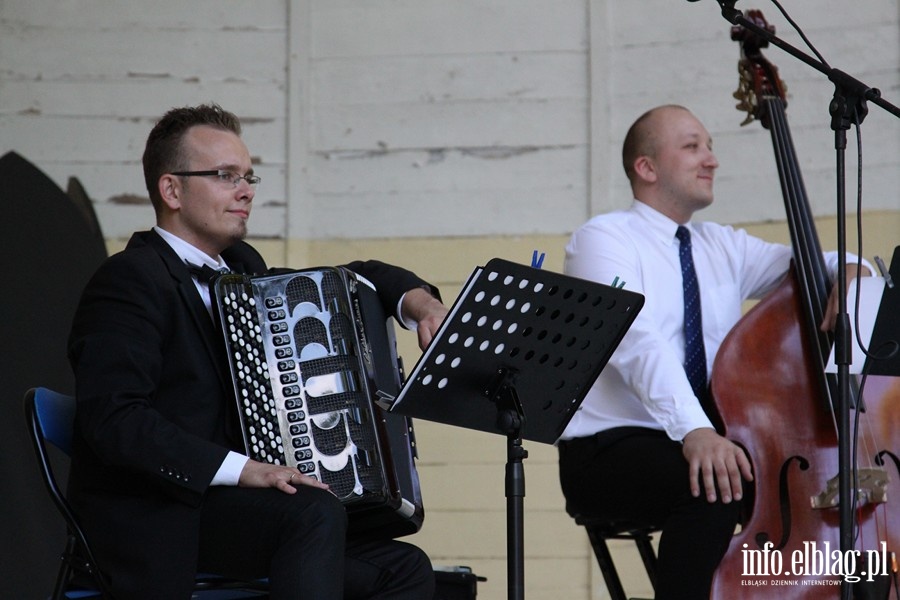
848,106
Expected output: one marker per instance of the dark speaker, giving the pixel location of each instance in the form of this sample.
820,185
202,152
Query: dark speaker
456,583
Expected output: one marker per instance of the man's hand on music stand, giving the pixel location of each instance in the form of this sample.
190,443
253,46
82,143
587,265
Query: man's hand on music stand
427,311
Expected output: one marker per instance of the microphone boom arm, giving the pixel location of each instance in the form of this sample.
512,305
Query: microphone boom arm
851,86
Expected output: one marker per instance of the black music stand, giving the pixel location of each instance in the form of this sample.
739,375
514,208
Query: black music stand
885,342
516,355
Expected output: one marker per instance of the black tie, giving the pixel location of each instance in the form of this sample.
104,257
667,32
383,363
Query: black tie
694,352
204,273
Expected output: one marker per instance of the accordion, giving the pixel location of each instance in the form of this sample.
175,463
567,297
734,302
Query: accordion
310,352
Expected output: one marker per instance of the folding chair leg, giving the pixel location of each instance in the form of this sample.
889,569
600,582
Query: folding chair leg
65,570
648,556
607,566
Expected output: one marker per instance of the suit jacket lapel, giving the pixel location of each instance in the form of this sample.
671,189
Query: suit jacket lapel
209,334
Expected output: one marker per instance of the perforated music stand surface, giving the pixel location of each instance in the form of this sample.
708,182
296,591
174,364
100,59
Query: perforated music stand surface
886,332
549,334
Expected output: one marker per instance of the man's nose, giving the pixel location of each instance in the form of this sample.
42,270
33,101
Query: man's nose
246,191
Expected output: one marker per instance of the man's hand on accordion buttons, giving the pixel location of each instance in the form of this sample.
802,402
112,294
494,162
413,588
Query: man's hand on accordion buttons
427,311
263,475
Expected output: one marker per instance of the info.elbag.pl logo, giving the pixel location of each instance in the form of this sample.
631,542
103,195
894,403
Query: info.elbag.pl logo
827,566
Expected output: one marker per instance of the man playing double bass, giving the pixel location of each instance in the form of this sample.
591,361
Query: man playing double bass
642,448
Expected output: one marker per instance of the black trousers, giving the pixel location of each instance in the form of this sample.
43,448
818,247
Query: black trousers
299,542
640,475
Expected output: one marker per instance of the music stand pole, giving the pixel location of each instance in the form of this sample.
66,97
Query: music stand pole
510,419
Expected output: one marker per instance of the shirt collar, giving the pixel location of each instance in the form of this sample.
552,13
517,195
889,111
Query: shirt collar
188,253
661,226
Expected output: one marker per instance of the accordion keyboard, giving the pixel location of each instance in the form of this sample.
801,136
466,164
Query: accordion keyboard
300,377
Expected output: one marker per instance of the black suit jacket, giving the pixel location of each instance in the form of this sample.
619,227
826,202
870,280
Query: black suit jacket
155,404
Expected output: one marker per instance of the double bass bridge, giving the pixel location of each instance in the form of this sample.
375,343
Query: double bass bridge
871,488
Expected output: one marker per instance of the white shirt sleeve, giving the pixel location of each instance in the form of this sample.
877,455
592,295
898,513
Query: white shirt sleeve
229,472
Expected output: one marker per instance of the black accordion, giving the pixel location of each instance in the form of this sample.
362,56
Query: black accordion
310,352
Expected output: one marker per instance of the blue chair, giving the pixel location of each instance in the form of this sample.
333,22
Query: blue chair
51,418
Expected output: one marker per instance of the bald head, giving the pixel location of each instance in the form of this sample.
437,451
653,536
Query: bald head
643,136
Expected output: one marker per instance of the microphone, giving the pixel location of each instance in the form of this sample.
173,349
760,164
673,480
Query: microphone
723,3
731,14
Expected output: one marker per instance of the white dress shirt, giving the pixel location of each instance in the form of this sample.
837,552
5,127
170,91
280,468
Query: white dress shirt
644,383
192,255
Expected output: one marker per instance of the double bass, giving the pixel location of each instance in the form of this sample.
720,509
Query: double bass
772,393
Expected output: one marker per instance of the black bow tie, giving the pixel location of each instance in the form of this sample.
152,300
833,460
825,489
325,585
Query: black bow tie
204,273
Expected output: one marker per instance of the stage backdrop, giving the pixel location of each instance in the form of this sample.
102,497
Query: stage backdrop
52,245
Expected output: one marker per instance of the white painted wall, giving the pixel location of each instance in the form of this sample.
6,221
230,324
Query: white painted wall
393,118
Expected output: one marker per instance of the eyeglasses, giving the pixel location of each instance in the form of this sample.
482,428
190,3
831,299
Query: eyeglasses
224,176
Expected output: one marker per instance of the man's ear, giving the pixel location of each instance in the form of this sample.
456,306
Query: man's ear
645,168
170,190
